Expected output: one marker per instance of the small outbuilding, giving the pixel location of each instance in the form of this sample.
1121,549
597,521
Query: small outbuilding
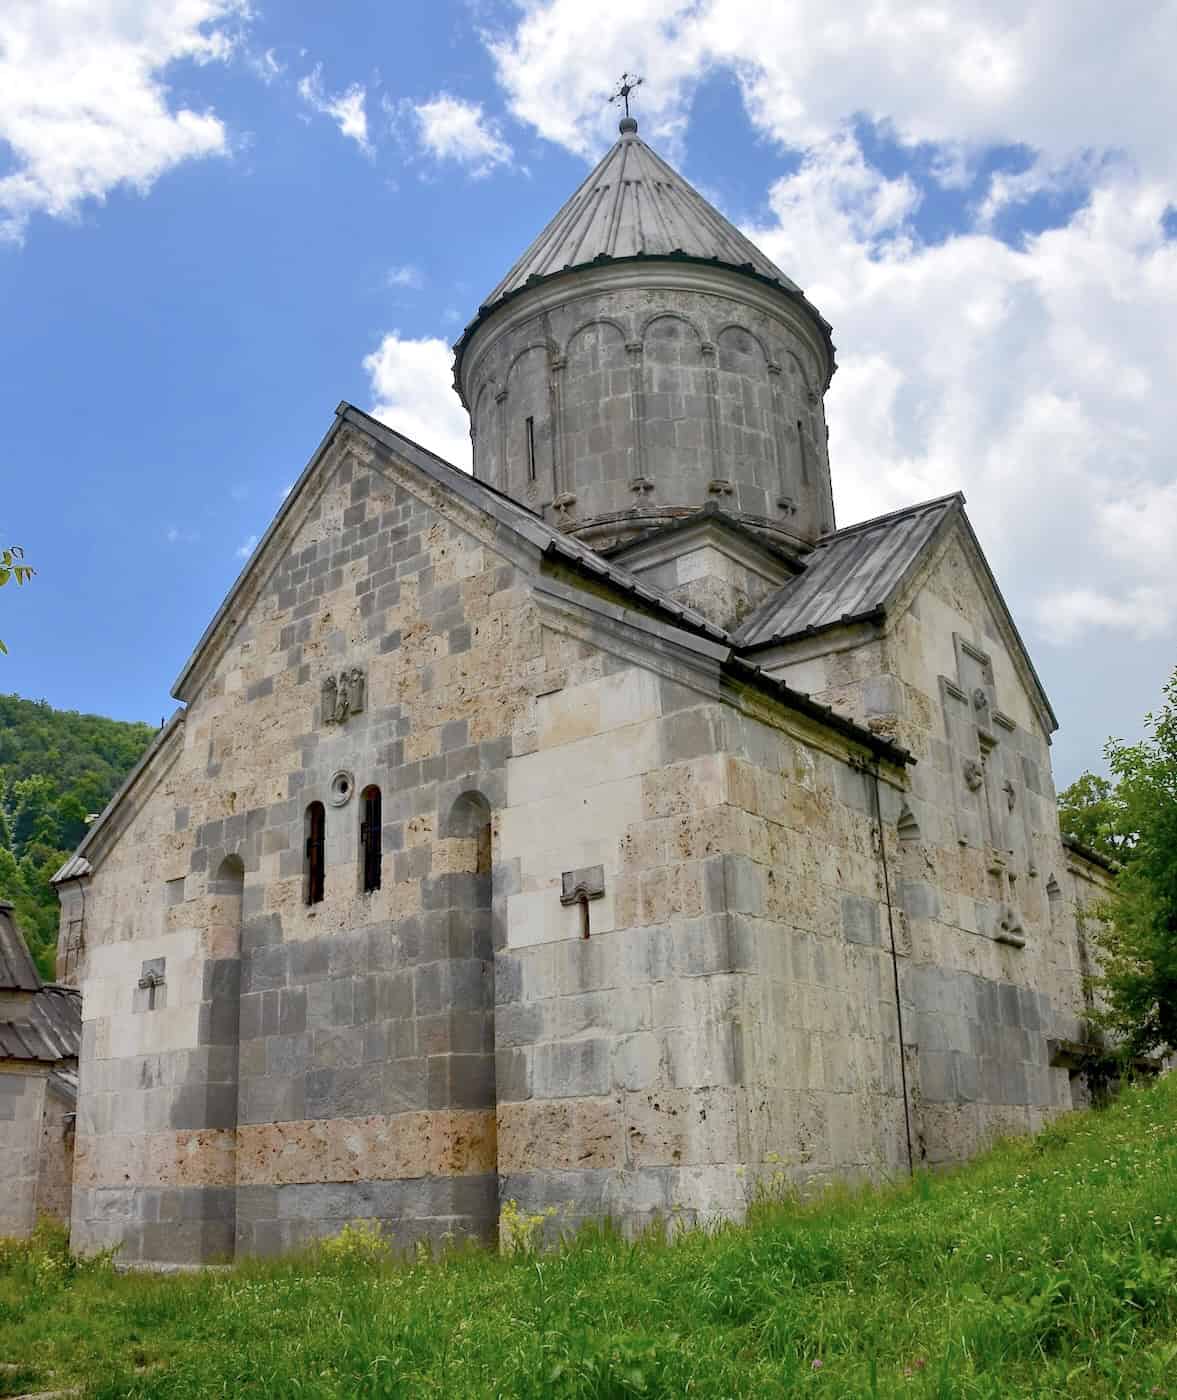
40,1034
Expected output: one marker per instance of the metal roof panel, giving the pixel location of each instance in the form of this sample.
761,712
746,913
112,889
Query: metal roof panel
850,574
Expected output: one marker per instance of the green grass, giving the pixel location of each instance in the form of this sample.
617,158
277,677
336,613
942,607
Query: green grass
1047,1268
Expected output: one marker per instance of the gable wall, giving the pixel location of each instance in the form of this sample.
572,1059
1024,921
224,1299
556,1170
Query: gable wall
364,1024
973,873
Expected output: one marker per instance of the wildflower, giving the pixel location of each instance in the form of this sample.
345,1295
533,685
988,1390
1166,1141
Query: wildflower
815,1364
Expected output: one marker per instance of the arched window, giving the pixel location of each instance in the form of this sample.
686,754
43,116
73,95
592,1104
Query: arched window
370,838
316,864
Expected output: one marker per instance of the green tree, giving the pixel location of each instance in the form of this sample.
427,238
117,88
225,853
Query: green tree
1138,939
56,768
13,567
1092,811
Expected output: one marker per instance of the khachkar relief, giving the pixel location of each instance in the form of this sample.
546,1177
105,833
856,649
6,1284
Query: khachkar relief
985,753
343,695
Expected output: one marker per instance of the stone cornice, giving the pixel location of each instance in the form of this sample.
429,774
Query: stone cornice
564,289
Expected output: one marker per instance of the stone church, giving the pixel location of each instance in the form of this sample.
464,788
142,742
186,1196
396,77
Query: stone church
602,831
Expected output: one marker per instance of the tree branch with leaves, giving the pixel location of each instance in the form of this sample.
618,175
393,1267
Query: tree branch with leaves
13,567
1138,938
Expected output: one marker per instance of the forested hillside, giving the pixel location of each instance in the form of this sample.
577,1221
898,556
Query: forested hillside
56,768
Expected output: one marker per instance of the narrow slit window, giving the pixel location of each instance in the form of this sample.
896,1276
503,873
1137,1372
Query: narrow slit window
316,850
530,423
370,838
801,451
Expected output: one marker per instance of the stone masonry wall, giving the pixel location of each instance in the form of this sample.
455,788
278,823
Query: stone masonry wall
649,394
362,1085
721,1024
22,1108
55,1167
256,1071
992,964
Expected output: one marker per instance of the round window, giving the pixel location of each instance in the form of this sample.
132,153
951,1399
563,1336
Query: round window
341,788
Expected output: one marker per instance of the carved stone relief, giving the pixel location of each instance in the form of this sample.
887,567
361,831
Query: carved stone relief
343,695
986,749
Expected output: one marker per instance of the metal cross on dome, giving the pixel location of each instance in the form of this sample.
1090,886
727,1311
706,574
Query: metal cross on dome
628,83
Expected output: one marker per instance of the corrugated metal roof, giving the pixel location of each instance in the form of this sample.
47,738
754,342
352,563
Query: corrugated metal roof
53,1030
73,869
850,574
18,972
634,204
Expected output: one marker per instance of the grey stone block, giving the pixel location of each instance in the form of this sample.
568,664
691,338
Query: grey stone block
860,920
571,1069
404,1085
272,1100
936,1077
919,899
266,967
513,1075
744,883
461,1081
686,734
292,1010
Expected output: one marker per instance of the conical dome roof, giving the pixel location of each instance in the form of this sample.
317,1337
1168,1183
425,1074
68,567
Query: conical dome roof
634,205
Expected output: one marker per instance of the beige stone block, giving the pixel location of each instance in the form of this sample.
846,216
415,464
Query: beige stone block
561,1135
644,844
601,812
678,1127
531,918
586,763
445,1142
454,855
422,743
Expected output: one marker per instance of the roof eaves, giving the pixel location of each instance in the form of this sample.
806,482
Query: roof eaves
824,714
1093,857
815,629
588,560
713,515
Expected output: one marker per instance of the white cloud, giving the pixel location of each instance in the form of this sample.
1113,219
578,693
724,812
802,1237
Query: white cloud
1142,613
1033,376
406,276
246,547
452,129
1026,376
974,74
346,109
266,66
412,389
83,104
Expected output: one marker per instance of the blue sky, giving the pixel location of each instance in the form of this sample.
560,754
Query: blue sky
217,221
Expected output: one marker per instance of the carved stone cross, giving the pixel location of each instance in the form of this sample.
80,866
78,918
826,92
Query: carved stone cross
151,979
983,753
578,887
